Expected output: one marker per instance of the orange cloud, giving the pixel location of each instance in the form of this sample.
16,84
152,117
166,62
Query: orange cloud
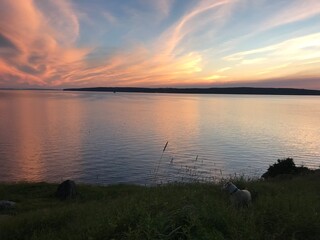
40,42
42,51
41,45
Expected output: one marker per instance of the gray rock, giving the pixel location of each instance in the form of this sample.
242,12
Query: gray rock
5,204
66,190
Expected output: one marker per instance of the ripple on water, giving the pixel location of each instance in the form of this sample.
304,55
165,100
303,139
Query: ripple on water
107,138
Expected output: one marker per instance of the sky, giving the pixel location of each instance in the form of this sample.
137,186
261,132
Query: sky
159,43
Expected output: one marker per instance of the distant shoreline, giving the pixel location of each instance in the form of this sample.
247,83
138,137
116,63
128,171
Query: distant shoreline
231,90
30,89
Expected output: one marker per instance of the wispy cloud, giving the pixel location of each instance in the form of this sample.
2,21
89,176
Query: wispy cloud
294,11
109,17
268,16
162,6
175,34
273,69
154,43
42,39
300,48
223,69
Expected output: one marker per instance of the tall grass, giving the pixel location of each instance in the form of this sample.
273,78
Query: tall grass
282,209
192,169
156,171
168,169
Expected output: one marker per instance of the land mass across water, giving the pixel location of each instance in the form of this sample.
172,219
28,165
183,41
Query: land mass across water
231,90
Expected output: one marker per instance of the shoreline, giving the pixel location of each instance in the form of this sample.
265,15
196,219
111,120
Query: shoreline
229,90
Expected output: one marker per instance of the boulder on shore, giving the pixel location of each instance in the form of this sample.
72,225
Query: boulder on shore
66,190
5,204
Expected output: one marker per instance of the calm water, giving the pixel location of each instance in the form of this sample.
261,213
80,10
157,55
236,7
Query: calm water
118,138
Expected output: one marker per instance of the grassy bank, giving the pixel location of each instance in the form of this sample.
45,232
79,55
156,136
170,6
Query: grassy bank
281,209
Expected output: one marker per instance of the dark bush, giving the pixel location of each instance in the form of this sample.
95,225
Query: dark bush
284,166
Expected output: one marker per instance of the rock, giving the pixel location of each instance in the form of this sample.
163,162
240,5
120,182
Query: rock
66,190
5,204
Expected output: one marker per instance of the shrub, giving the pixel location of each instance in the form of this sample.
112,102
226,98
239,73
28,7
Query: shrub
284,166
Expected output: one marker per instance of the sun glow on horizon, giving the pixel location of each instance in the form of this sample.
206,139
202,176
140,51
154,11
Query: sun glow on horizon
165,43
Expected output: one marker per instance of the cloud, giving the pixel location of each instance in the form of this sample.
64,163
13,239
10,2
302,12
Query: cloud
294,11
214,77
162,6
148,43
297,56
290,81
253,61
134,67
40,38
272,69
265,18
186,25
297,49
223,69
109,17
5,43
43,51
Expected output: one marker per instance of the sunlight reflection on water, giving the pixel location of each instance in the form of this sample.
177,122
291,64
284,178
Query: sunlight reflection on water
118,138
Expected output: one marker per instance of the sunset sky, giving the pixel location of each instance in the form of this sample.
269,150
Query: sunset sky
159,43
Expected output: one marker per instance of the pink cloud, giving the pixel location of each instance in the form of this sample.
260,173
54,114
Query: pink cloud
41,39
39,45
174,35
43,52
295,11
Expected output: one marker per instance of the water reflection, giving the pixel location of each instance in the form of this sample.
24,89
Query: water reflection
39,138
113,138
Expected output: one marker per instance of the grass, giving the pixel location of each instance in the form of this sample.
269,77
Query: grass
281,209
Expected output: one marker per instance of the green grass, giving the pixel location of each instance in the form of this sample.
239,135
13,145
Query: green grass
282,209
